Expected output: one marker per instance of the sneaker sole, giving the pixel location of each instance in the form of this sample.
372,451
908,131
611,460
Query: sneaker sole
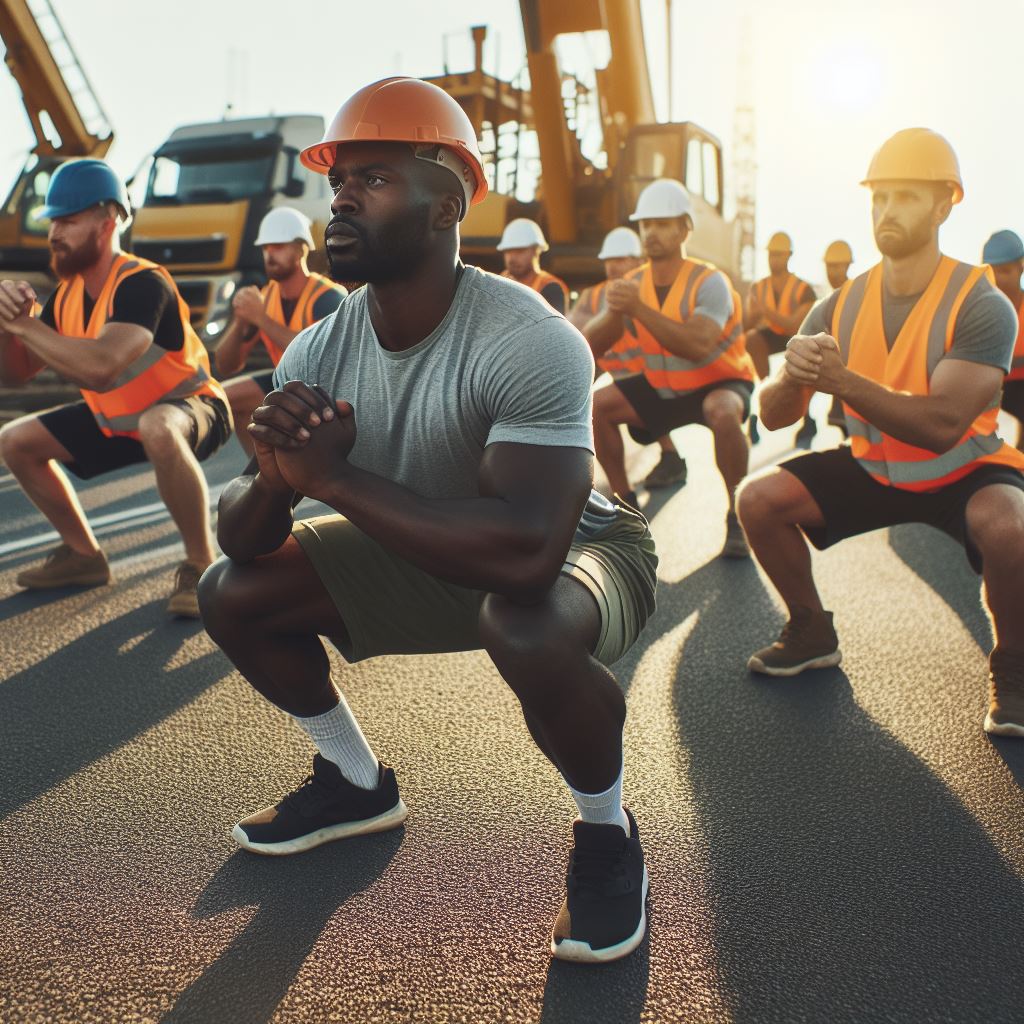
62,584
755,664
183,609
655,484
994,728
382,823
577,952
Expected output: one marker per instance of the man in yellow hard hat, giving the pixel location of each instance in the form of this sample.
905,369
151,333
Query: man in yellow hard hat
622,252
521,244
444,414
293,299
1004,253
916,349
776,306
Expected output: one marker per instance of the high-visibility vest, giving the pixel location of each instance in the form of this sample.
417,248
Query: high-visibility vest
669,374
787,303
926,336
541,280
1017,365
302,314
156,375
613,359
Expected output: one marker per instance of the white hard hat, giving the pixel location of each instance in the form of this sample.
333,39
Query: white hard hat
522,233
665,197
620,243
285,224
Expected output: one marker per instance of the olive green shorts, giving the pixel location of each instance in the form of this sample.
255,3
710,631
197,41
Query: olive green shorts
389,606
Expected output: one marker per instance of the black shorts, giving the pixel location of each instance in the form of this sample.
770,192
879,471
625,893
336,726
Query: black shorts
93,453
774,341
660,415
852,502
264,380
1013,398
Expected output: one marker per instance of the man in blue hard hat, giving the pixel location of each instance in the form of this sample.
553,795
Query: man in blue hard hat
1004,253
117,327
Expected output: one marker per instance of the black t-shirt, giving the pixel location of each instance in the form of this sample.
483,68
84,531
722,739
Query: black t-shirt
145,299
554,296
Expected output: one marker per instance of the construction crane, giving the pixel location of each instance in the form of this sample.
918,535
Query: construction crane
580,196
66,117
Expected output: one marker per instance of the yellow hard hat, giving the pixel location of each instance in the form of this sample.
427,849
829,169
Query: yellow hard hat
780,242
838,252
916,154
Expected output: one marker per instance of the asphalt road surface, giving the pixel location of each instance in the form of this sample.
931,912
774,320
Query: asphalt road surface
842,847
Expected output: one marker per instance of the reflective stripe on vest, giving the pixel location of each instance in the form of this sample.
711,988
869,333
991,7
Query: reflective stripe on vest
671,375
923,341
302,315
787,303
156,375
1017,363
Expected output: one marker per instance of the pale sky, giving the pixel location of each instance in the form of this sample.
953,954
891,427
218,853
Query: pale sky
830,82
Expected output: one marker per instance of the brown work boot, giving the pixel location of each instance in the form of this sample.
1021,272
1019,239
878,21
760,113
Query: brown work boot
1006,694
735,539
807,641
65,567
184,602
671,469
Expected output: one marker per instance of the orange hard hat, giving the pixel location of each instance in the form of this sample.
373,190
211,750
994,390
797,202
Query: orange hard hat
407,110
916,154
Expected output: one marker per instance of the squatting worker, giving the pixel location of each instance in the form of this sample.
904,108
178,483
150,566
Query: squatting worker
117,327
293,299
916,349
621,252
838,258
444,412
682,322
521,244
776,307
1004,253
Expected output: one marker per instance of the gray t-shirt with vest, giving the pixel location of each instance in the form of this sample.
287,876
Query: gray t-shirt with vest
501,366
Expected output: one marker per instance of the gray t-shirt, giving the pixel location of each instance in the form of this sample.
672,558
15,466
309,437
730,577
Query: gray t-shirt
985,331
501,366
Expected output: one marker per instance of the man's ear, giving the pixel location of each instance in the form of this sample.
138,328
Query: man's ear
449,212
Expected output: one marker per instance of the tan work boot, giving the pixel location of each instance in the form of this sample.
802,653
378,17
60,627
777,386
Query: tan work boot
671,469
807,641
65,567
1006,694
184,602
735,539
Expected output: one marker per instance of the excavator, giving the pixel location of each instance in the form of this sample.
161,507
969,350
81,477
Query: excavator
67,120
581,196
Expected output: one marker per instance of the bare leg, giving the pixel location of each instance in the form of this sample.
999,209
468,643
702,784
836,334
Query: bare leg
611,411
723,410
758,349
666,444
32,454
245,395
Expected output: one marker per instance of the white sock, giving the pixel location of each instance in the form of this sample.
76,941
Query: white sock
338,737
603,808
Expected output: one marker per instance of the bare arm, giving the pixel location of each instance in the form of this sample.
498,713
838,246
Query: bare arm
788,324
580,313
603,331
279,334
784,400
234,348
694,339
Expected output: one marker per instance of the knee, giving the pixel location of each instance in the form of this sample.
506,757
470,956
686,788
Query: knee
15,443
997,527
525,642
720,413
758,501
225,600
160,436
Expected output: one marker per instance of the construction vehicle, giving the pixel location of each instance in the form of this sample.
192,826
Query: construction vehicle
580,196
206,190
67,120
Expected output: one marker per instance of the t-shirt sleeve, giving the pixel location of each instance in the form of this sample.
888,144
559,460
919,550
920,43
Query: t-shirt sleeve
535,387
294,363
819,319
141,299
714,300
554,295
986,329
328,303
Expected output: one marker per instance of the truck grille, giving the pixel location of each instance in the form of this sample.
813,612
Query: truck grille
197,297
174,252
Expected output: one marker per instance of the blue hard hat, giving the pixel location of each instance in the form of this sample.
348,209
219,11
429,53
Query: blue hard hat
1002,247
79,184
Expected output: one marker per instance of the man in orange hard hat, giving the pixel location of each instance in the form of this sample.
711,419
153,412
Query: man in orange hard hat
466,517
521,244
916,350
776,307
293,299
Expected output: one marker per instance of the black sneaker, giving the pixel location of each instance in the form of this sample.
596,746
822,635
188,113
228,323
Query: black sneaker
670,470
806,434
325,807
604,915
752,432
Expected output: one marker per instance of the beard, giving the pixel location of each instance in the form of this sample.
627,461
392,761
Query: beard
66,262
393,252
277,271
903,242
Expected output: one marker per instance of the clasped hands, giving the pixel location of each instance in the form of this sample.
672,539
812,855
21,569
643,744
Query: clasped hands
814,361
302,439
16,301
623,296
248,305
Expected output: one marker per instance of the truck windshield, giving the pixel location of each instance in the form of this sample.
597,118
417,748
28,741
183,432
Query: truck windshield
209,176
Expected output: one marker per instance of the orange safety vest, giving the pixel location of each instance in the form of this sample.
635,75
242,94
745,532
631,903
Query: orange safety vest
787,302
1017,364
156,375
541,280
302,314
672,375
925,337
